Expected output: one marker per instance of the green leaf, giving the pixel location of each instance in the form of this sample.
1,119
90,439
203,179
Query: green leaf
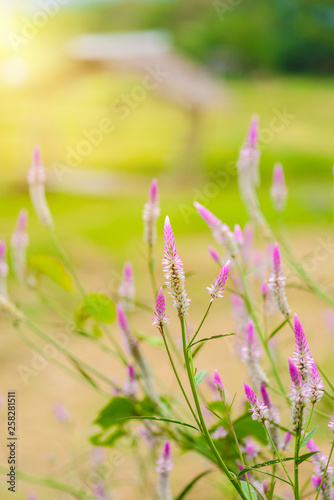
116,409
84,374
154,340
306,457
53,269
308,437
107,439
96,306
192,483
248,490
278,329
160,419
214,337
199,377
246,426
263,464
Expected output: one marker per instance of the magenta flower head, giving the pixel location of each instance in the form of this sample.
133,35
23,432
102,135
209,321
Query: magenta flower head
130,387
253,132
218,286
258,409
294,373
299,397
265,395
276,284
130,342
301,355
278,189
165,463
251,356
150,214
173,270
287,440
217,381
316,481
160,317
316,387
238,235
214,254
331,424
264,289
221,232
36,181
126,290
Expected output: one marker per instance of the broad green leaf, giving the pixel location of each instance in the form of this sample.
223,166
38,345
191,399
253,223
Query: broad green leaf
107,439
53,269
248,490
246,426
192,484
308,437
96,306
117,408
154,340
199,377
214,337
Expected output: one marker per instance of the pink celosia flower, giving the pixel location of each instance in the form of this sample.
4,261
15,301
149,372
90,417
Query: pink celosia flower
164,467
4,269
264,289
251,356
238,235
127,290
251,449
151,213
173,270
316,481
278,190
221,232
36,181
253,132
19,242
331,424
61,413
130,342
273,416
218,382
316,387
286,441
258,409
130,387
265,487
214,254
299,397
276,284
240,314
320,461
301,355
218,286
160,317
219,433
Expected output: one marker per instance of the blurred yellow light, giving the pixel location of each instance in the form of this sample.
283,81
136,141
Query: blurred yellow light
14,70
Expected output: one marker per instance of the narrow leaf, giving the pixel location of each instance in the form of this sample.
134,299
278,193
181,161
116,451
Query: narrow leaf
248,490
160,420
199,377
211,338
306,457
308,437
192,483
84,374
277,329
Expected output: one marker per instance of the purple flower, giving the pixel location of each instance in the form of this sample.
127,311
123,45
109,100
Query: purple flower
214,254
252,449
299,397
264,289
165,463
218,382
218,286
316,481
331,424
258,409
251,356
130,387
265,395
126,290
173,270
151,213
287,440
253,132
129,340
316,387
301,355
160,317
276,284
221,232
278,189
36,181
238,235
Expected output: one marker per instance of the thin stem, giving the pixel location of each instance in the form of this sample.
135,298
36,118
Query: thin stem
278,456
201,323
178,379
309,419
151,266
296,457
206,433
325,471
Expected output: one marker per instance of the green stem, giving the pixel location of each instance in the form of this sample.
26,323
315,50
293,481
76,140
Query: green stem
309,419
206,433
296,457
278,456
178,379
201,323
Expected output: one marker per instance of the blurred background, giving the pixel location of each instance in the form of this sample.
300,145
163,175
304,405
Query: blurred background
118,92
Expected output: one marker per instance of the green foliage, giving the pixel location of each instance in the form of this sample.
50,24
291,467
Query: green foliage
98,307
53,269
192,483
246,426
308,437
249,490
199,377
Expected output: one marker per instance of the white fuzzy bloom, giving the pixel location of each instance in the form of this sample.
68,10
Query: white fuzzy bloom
36,181
276,284
127,290
164,467
251,357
